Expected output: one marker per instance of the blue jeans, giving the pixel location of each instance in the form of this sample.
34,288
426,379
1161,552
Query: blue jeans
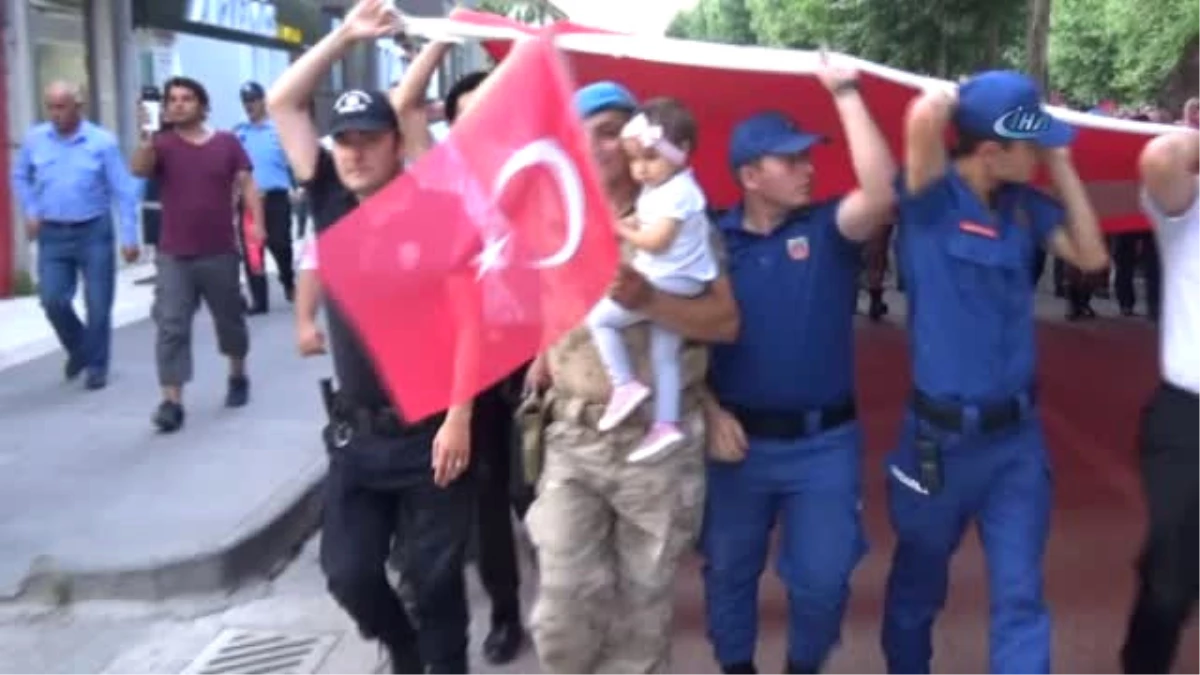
65,252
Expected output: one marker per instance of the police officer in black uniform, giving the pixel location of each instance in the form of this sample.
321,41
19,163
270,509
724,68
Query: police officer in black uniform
389,477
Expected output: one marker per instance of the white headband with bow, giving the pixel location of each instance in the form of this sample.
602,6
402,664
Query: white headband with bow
652,136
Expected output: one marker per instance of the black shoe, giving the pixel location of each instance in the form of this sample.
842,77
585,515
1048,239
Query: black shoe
168,417
255,310
289,292
503,642
803,670
878,308
96,380
73,368
744,668
406,659
238,393
1126,310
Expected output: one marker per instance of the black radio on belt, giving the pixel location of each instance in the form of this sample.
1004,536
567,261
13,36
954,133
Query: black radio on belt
929,463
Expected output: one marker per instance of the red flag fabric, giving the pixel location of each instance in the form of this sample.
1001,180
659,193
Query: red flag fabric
723,84
252,247
484,252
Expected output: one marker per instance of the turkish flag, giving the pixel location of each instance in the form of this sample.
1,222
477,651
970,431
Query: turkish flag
252,247
723,84
485,251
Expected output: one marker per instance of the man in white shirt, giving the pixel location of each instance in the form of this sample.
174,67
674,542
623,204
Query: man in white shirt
1170,427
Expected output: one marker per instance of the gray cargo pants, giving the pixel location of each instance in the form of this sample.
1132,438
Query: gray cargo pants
179,285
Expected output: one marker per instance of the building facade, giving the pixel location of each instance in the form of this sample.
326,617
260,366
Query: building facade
114,48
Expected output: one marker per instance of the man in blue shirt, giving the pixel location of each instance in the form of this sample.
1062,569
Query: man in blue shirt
785,442
68,177
972,447
274,180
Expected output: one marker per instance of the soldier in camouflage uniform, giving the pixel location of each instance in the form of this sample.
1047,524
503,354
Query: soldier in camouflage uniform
609,535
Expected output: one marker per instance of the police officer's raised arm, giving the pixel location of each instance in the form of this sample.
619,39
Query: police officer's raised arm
925,156
1168,168
863,212
408,100
289,100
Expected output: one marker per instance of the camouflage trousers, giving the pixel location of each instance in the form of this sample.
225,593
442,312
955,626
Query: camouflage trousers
609,537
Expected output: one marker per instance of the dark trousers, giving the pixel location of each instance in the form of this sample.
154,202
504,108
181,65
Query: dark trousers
876,254
1169,565
67,252
492,435
380,488
1129,249
277,211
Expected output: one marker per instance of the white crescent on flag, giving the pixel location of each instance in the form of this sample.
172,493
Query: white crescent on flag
723,84
547,152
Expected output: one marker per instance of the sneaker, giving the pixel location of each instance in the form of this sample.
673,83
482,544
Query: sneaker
168,417
663,437
238,393
625,399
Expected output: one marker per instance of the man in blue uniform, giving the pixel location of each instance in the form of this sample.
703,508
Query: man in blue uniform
785,442
971,447
274,180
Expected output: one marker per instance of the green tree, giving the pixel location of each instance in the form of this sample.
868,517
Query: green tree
534,12
715,21
683,26
1121,49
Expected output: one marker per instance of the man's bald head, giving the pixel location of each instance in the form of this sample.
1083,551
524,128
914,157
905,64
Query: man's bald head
63,102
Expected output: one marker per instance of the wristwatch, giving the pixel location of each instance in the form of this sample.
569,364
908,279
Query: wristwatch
845,87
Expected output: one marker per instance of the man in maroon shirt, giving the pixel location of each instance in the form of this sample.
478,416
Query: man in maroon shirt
200,172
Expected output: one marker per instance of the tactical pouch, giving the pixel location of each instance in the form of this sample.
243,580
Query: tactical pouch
929,463
532,416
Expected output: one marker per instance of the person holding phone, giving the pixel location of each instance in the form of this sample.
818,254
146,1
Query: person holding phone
198,171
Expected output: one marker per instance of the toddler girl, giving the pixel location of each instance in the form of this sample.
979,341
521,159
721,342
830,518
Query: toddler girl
670,233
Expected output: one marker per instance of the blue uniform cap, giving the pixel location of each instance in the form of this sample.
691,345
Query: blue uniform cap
600,96
766,134
1007,105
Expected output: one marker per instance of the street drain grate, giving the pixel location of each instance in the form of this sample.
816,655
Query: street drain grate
251,652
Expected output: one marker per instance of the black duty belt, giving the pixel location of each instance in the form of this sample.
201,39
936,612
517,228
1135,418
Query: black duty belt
384,422
957,417
792,424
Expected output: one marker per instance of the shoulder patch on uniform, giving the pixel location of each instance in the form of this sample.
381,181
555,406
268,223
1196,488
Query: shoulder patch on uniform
797,248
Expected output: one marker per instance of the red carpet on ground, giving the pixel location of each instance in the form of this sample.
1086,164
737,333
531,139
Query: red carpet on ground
1095,378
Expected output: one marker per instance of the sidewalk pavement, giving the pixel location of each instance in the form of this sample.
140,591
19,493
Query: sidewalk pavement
25,334
95,504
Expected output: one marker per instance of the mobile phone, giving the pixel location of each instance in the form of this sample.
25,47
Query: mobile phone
152,103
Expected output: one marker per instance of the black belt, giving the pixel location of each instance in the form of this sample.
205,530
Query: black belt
70,223
792,424
991,417
384,421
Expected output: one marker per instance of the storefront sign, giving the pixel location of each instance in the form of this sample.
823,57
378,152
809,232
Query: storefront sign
286,24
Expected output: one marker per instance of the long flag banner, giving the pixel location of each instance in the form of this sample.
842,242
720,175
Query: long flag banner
486,250
723,84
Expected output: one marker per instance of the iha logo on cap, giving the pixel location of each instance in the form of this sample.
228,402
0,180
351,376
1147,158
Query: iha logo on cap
797,248
1022,123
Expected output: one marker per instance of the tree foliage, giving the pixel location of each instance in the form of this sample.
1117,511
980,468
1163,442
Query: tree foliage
1119,49
942,37
533,12
1123,49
